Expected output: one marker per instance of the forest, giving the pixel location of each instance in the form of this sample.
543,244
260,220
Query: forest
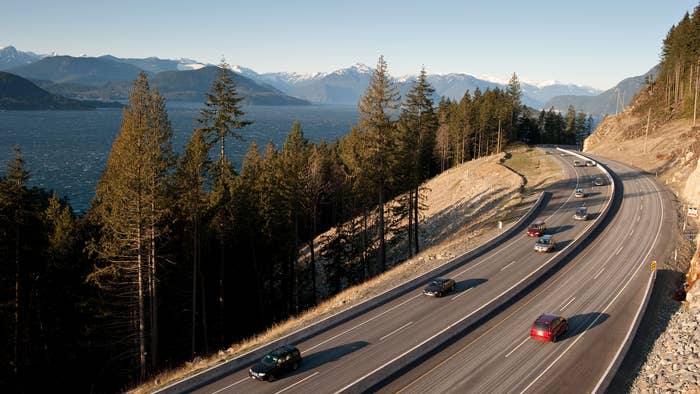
182,254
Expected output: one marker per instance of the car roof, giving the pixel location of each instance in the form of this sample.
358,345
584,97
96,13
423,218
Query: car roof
582,208
537,223
546,317
547,237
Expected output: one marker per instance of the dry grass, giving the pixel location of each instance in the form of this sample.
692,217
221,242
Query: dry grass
451,196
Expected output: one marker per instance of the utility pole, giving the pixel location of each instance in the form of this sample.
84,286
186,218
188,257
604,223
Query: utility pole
499,138
695,104
647,132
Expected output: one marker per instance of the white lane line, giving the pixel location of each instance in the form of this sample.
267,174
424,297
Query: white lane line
516,348
289,387
231,385
361,324
630,234
580,337
639,217
567,304
599,272
641,207
504,268
460,294
395,331
619,250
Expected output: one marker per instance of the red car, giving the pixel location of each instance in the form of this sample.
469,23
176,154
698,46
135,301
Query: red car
537,229
548,328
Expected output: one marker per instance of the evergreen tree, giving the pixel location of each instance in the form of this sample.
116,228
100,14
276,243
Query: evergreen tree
128,207
375,108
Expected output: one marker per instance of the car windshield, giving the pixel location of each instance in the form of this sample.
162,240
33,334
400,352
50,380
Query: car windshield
270,360
540,325
543,241
582,211
435,283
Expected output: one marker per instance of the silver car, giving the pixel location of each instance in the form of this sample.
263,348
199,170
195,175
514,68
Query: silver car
579,193
545,244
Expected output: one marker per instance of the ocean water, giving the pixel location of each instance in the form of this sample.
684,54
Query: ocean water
66,151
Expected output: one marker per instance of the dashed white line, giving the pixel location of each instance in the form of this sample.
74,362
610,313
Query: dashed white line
231,385
567,304
460,294
504,268
516,348
631,232
619,250
361,324
641,207
395,331
599,272
289,387
639,217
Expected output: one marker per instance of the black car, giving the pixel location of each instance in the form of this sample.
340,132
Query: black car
438,287
277,362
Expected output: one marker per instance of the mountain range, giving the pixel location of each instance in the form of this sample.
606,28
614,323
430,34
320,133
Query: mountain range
17,93
109,77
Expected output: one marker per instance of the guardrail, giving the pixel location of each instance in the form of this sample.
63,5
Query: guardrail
212,373
395,365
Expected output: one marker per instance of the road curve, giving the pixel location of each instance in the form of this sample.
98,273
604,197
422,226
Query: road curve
599,291
341,355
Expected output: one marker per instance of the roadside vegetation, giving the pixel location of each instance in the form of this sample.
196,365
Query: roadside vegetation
183,255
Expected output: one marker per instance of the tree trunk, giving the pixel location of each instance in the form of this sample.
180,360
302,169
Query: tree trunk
416,195
153,287
410,223
141,306
221,289
16,367
195,268
382,246
205,327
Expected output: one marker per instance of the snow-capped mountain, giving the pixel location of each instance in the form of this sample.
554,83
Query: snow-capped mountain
10,57
189,64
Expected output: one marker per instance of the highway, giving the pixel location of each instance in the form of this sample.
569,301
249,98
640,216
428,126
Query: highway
599,291
344,354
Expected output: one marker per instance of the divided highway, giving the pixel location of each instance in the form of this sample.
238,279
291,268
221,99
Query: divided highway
600,292
340,357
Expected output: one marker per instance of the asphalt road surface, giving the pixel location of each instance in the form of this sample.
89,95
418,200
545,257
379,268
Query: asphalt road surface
340,356
599,291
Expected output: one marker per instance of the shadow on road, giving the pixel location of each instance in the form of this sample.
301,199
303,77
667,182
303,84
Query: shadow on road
335,353
468,284
578,324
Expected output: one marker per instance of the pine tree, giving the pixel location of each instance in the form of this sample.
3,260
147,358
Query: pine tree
220,118
128,207
375,108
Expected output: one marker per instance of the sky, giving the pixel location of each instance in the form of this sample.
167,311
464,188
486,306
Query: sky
594,43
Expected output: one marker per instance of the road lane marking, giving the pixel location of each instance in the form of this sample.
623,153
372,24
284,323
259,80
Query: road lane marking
231,385
639,217
289,387
630,234
639,266
619,250
598,274
460,294
516,348
504,268
567,304
641,207
361,324
395,331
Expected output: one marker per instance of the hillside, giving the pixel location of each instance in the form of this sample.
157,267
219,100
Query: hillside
80,70
17,93
465,205
607,102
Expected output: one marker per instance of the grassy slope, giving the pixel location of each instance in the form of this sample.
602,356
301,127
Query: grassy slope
529,172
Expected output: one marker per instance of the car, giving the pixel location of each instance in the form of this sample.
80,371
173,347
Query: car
579,193
577,163
537,229
598,181
438,287
548,328
581,213
283,359
590,163
545,244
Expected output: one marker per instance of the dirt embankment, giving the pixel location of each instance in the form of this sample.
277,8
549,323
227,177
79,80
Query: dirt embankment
465,205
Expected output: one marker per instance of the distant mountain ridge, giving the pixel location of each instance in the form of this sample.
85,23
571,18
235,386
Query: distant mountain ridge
110,78
10,57
342,86
17,93
606,102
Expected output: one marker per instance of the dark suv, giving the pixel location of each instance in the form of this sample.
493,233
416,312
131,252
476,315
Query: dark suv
548,328
281,360
438,287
